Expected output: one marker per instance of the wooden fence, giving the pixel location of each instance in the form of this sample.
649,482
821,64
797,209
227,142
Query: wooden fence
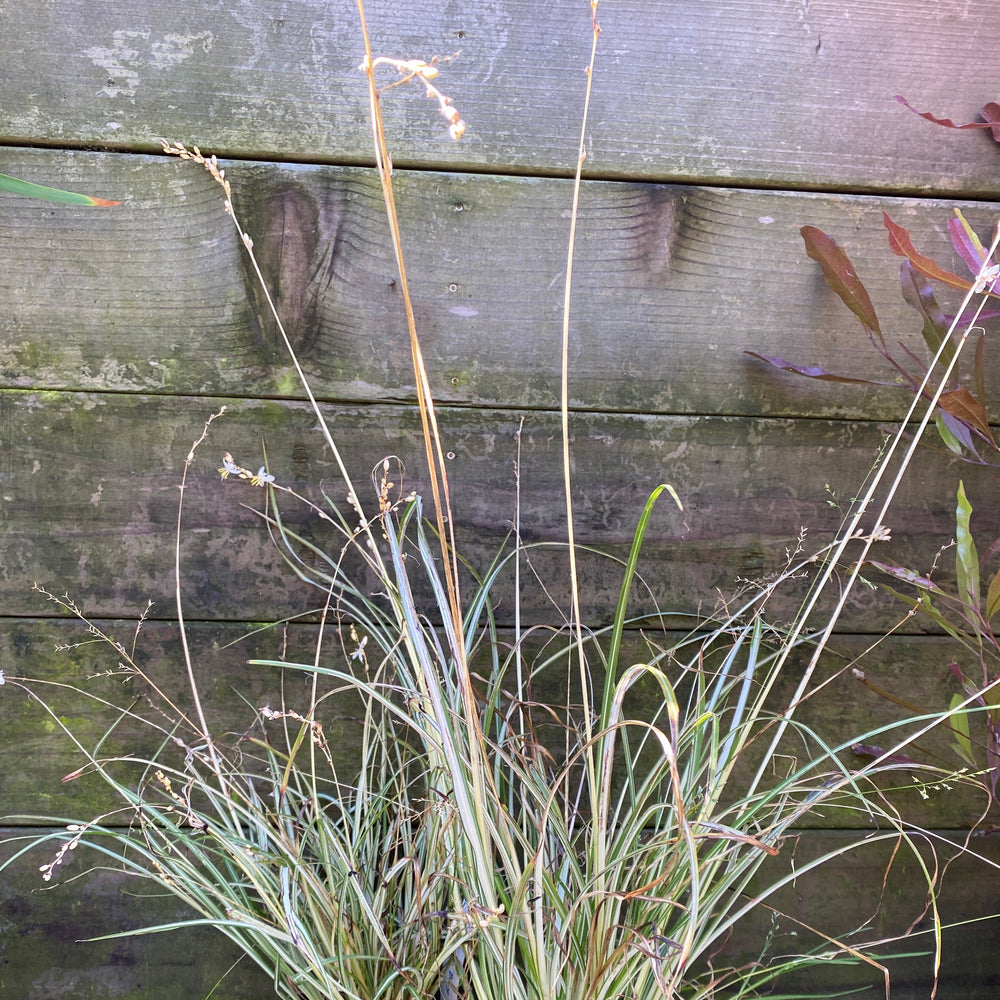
717,131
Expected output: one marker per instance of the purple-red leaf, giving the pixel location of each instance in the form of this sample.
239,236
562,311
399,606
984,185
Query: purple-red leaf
962,404
918,293
907,576
841,277
956,435
990,112
957,671
813,371
901,245
967,244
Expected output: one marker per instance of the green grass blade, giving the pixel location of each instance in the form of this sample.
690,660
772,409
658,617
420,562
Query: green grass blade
628,576
966,557
13,185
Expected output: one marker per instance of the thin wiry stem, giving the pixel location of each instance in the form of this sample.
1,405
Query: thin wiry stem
179,603
219,176
457,847
576,623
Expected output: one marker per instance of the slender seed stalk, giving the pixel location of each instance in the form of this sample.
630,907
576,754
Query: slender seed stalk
576,623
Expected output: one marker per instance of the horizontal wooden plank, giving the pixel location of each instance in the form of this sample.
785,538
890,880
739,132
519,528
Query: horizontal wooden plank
794,95
862,892
43,952
90,501
58,653
49,654
673,285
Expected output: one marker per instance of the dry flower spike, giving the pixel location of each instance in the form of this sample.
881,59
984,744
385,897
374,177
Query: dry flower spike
410,69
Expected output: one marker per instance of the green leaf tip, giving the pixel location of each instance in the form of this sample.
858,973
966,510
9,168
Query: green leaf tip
13,185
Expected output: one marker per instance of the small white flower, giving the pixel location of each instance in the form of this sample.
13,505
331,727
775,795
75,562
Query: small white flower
986,278
228,466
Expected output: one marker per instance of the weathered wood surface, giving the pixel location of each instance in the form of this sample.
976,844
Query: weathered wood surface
90,498
672,285
44,954
47,653
842,899
797,94
123,329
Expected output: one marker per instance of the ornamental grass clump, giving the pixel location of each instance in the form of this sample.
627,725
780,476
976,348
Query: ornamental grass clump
482,844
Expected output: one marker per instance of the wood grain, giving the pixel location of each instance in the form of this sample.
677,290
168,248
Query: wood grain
47,950
90,501
46,655
789,95
717,130
672,286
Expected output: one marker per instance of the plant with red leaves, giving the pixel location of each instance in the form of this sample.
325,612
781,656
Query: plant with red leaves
961,416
